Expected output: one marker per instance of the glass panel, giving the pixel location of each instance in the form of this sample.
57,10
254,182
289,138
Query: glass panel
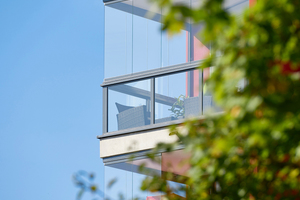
128,105
151,168
236,6
208,99
128,178
198,50
118,39
120,175
146,36
177,96
175,48
176,162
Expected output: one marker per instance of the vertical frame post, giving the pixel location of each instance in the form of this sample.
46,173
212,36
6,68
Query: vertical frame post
152,99
201,91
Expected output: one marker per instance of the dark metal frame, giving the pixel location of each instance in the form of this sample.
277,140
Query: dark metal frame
150,75
163,71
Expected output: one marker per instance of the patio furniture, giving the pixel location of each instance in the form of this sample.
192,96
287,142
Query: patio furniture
130,117
191,106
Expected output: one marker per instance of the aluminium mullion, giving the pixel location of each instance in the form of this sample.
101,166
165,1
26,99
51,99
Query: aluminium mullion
152,100
201,90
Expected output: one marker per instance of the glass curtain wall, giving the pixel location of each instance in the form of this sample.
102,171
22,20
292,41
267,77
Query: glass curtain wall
127,177
175,47
198,49
134,41
118,39
146,36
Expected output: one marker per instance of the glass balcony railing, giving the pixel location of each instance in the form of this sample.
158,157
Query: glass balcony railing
158,99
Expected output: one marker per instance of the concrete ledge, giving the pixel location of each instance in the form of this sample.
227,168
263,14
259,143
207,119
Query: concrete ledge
130,143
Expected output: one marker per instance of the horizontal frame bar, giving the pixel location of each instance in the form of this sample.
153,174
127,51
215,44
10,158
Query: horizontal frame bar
151,73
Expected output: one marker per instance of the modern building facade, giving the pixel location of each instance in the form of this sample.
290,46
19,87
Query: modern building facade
151,82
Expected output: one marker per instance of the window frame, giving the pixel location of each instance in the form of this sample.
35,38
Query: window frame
148,75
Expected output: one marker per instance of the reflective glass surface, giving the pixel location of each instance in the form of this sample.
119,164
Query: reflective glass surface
120,174
128,105
175,47
146,36
177,96
118,39
207,95
198,49
208,98
127,177
134,41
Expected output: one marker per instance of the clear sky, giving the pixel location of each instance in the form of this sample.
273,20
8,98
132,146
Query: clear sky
51,68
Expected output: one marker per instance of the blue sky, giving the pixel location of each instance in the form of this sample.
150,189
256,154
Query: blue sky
51,68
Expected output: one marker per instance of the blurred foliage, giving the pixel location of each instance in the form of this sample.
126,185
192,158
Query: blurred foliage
251,150
85,182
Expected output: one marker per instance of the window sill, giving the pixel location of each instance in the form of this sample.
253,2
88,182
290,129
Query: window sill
143,129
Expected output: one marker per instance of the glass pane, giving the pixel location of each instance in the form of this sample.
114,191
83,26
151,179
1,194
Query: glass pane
208,99
128,105
118,39
128,179
176,162
151,168
146,36
175,48
177,96
120,175
198,49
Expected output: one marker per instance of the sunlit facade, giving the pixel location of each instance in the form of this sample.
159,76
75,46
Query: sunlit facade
151,82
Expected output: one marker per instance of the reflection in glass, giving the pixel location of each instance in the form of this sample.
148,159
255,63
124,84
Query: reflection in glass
118,39
175,48
127,177
128,105
207,95
134,41
120,174
198,50
177,96
208,98
146,36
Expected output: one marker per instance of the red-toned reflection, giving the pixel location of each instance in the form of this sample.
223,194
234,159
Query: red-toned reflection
176,162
